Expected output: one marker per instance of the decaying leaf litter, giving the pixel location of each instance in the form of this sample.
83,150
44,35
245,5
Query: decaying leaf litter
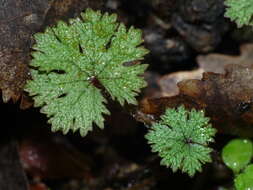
191,62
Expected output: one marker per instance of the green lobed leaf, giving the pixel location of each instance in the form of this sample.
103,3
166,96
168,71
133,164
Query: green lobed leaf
73,64
244,181
240,11
237,153
181,139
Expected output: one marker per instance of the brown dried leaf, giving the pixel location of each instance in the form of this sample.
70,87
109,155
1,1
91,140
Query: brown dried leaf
226,98
216,62
207,63
13,74
168,83
19,19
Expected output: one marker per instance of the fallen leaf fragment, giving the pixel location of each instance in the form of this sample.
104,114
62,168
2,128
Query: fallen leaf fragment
215,62
168,83
13,74
226,98
19,19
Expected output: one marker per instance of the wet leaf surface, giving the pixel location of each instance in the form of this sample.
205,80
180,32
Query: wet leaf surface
244,180
19,20
237,153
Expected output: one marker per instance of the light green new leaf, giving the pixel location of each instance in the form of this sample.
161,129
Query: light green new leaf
181,139
244,181
237,154
240,11
73,63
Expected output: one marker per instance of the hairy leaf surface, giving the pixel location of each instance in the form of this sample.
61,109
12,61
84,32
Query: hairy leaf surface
181,139
74,63
240,11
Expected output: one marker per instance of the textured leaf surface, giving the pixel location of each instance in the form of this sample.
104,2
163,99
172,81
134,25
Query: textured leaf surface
237,154
75,62
19,20
244,181
181,139
240,11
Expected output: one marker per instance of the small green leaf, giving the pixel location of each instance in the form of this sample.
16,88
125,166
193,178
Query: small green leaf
240,11
244,181
181,139
75,64
237,154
